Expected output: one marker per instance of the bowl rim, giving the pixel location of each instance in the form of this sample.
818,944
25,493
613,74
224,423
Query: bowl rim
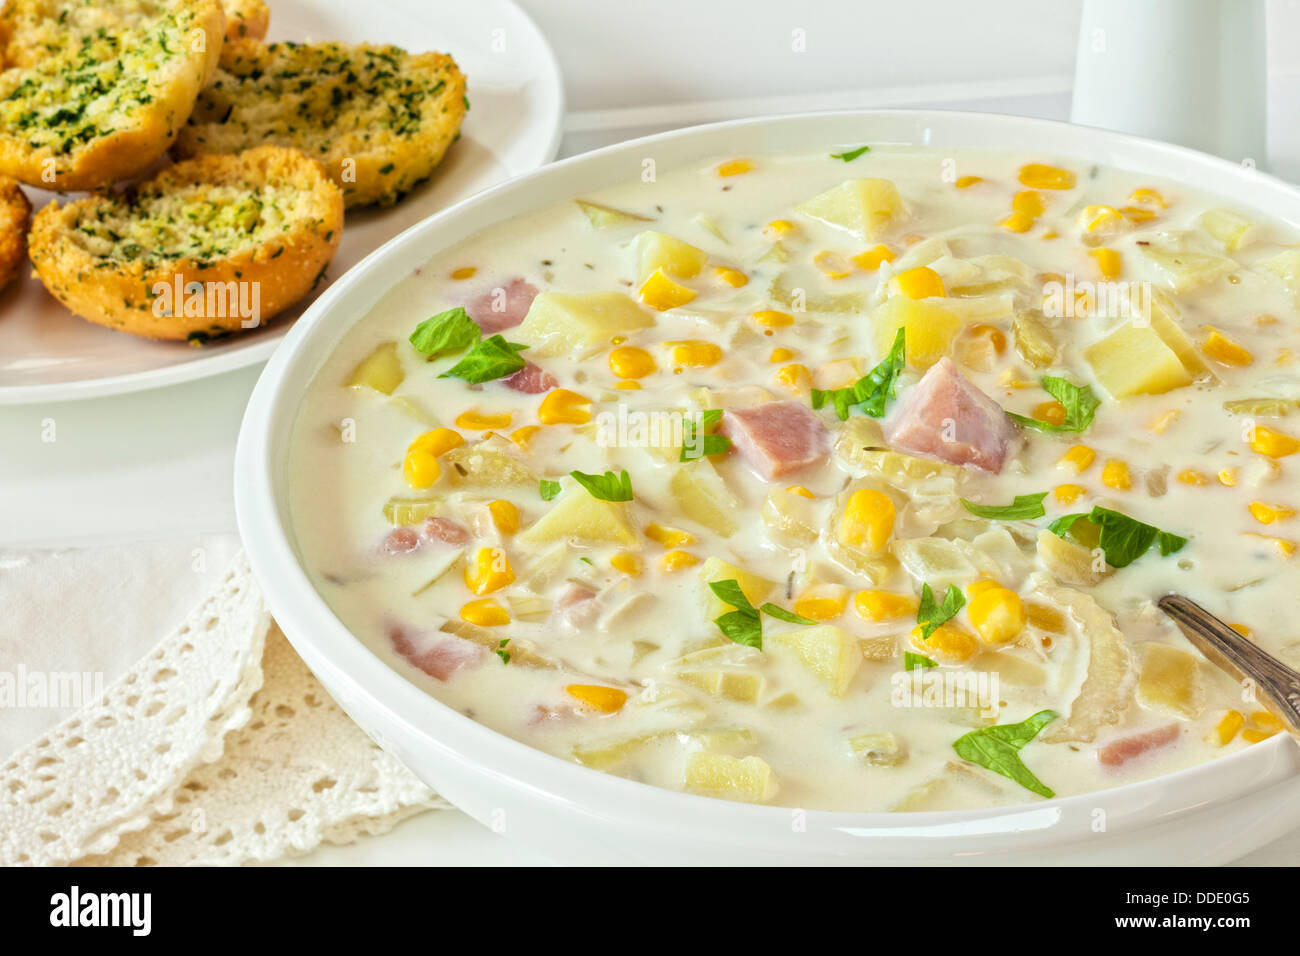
343,660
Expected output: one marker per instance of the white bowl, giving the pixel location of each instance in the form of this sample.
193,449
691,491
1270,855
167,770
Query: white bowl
1207,814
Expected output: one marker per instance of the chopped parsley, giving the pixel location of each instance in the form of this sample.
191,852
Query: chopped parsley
448,331
1079,401
931,616
998,749
912,662
744,625
548,488
873,390
1122,539
850,155
489,359
606,487
697,446
501,651
1022,507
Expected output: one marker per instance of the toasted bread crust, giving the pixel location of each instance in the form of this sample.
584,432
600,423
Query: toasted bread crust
379,119
96,93
246,19
285,217
15,218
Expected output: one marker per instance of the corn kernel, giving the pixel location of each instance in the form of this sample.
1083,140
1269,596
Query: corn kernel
948,644
800,490
626,562
795,377
488,570
995,337
868,520
439,441
662,293
607,700
1253,736
731,277
631,362
1115,474
1270,514
821,604
781,355
997,614
1018,222
980,586
505,515
465,272
1079,457
476,421
563,407
1190,476
919,283
1045,618
966,182
779,228
1284,546
872,259
1068,494
695,353
1226,729
629,385
1136,214
1223,349
1109,263
1148,197
667,536
420,468
1040,176
1099,219
675,560
883,605
485,613
523,435
833,265
1161,424
734,167
1029,203
772,319
1052,412
1273,444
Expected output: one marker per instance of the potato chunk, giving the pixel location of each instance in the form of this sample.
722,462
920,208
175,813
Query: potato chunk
866,208
756,588
576,324
704,497
830,653
748,779
655,250
1168,682
1134,360
931,328
582,519
380,370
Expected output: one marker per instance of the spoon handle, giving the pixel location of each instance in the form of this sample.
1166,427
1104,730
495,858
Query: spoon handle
1278,684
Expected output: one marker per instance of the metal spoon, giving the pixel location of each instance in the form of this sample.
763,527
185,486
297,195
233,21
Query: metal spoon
1276,683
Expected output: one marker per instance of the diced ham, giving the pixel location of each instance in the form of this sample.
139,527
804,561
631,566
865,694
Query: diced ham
501,307
531,379
776,438
1119,752
577,605
946,417
401,541
444,531
439,659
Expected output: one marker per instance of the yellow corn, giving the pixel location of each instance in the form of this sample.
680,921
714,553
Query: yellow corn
997,614
464,272
630,385
1242,629
800,490
778,228
669,537
1099,218
1137,214
868,520
919,283
476,421
661,293
1227,477
522,436
980,586
675,560
563,407
1045,618
1223,349
420,468
1079,457
1018,222
626,562
1040,176
1190,476
631,362
883,605
1162,422
485,613
731,277
1068,494
505,515
966,182
772,319
1226,729
871,260
1148,197
1273,444
439,441
833,265
1266,721
607,700
823,603
1052,412
1253,736
1028,203
488,570
1284,546
1115,474
996,338
948,644
781,355
1269,514
734,167
795,377
1109,263
695,353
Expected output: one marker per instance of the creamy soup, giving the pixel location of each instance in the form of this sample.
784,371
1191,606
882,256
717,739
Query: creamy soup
843,480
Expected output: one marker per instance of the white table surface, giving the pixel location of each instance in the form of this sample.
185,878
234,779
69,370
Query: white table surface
158,464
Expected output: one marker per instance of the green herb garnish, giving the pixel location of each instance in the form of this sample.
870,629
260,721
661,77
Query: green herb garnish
744,625
852,154
1022,507
1079,401
1122,539
501,651
912,662
998,749
873,390
930,616
781,614
489,359
448,331
548,488
606,487
703,444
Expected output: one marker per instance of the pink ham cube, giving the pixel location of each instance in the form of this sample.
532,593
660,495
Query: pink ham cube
946,417
1119,752
502,306
531,380
775,438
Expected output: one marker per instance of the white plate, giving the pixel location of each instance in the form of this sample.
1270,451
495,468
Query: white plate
513,126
